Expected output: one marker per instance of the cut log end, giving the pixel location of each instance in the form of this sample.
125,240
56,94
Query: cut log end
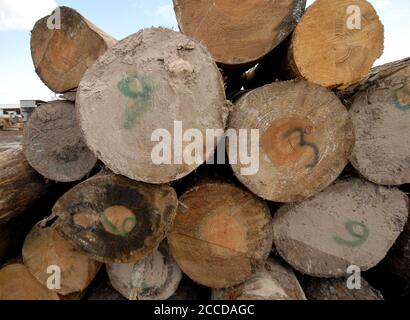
63,46
337,289
272,281
158,79
154,278
381,117
221,234
44,248
352,222
116,220
17,283
238,33
53,143
306,137
336,42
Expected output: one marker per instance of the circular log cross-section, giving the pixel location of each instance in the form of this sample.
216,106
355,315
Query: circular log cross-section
381,118
352,222
63,46
17,283
44,248
53,143
154,278
336,42
273,281
238,32
305,139
137,100
221,234
116,220
337,289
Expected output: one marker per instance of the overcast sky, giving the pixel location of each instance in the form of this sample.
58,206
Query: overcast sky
121,18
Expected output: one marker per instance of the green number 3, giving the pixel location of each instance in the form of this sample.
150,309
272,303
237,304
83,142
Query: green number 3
360,238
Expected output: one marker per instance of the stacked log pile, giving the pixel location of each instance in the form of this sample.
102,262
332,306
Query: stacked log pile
322,193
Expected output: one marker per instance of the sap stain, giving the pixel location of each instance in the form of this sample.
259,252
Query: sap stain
139,88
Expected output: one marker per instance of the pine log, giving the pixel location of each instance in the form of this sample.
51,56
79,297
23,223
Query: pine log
306,137
62,55
44,247
115,220
353,222
221,234
154,278
333,47
53,143
17,283
20,185
273,281
337,289
238,32
147,82
381,116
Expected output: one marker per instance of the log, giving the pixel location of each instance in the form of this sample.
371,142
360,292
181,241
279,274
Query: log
238,33
189,290
156,79
221,234
154,278
273,281
115,220
53,144
102,290
305,139
353,222
336,43
337,289
17,283
20,185
381,116
398,259
44,247
62,55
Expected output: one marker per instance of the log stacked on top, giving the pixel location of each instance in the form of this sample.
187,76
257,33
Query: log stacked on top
221,234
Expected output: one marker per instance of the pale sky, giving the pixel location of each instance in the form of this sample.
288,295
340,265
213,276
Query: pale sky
120,18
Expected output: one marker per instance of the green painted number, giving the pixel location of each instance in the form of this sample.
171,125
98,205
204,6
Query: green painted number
122,232
142,98
400,95
360,237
